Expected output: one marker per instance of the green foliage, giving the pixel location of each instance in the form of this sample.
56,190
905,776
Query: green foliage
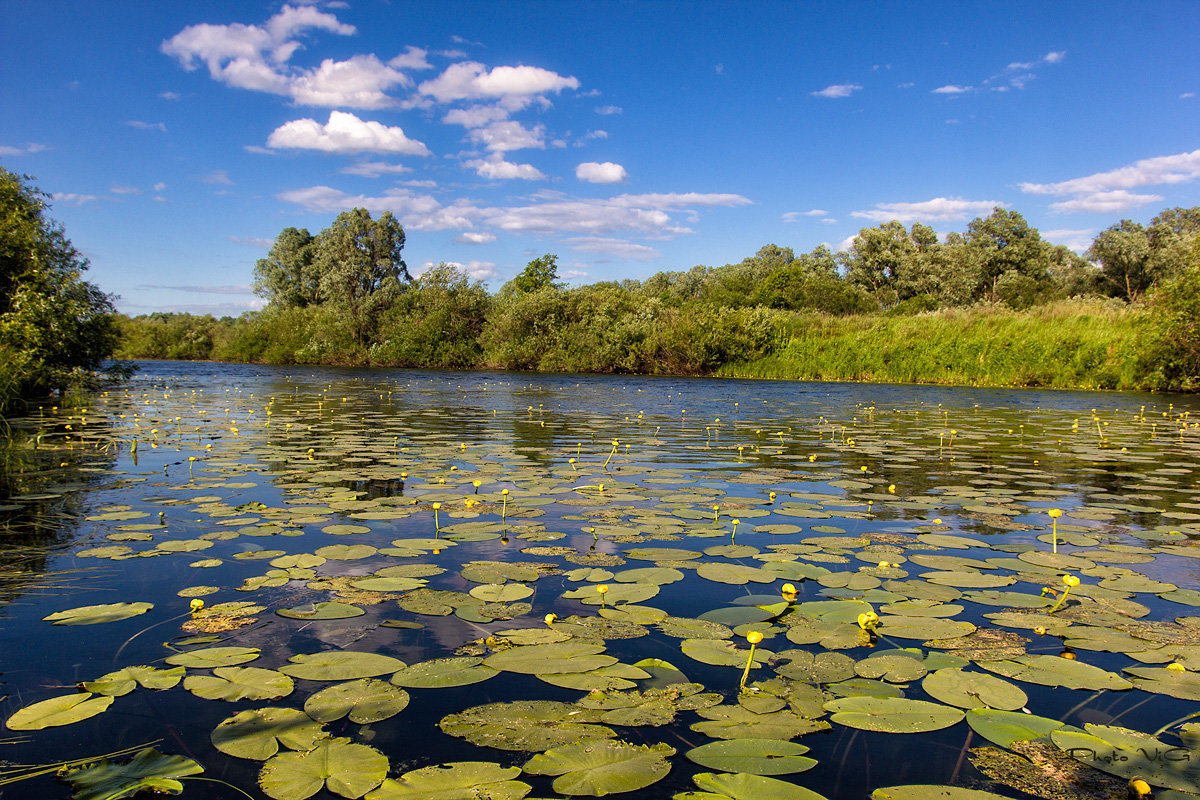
541,273
55,328
287,276
1175,352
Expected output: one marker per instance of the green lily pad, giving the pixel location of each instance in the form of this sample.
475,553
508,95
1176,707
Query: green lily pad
548,659
525,725
816,667
56,711
391,583
743,786
892,714
736,574
323,610
617,593
930,792
1184,685
1055,671
257,733
346,552
753,756
123,681
973,690
94,615
601,767
1005,727
364,701
342,767
239,683
1131,754
893,668
340,665
738,722
459,780
149,769
209,657
501,592
443,673
660,576
723,653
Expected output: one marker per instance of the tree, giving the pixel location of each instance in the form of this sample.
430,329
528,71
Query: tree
55,328
875,259
286,277
1123,251
360,268
1004,242
538,274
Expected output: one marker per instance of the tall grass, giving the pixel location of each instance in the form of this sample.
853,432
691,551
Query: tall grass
1088,344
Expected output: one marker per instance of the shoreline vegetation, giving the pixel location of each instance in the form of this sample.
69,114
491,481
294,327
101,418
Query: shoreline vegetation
996,305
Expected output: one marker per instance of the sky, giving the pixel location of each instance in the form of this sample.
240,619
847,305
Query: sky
176,140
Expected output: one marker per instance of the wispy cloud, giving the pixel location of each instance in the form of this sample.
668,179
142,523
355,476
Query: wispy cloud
838,90
32,147
616,248
939,209
73,199
217,177
373,169
793,216
250,241
146,126
1108,191
952,89
197,289
475,237
609,110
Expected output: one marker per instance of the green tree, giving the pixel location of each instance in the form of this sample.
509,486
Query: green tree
55,327
361,271
1002,243
287,277
876,258
538,274
1123,251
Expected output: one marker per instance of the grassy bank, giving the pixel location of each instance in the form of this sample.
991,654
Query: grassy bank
1085,344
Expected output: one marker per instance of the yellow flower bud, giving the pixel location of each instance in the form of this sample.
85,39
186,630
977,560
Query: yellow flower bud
1175,666
754,637
1070,580
197,605
551,619
1039,630
602,588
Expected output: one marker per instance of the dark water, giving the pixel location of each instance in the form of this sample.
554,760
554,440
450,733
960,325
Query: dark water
239,460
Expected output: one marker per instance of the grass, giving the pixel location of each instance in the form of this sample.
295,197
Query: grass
1082,344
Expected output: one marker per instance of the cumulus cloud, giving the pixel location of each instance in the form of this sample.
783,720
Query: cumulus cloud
608,110
617,248
952,89
1077,239
499,169
1108,192
373,169
359,82
73,199
345,133
513,87
416,211
939,209
475,116
606,172
475,237
838,90
1112,202
501,137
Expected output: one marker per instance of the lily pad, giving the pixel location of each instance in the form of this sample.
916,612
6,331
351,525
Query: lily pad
1005,727
149,769
753,756
239,683
62,710
892,714
1055,671
525,725
209,657
973,690
123,681
363,701
94,615
443,673
342,767
257,733
340,665
548,659
322,610
743,786
460,780
929,792
600,767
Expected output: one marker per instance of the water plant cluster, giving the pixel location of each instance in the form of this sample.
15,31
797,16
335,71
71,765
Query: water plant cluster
391,585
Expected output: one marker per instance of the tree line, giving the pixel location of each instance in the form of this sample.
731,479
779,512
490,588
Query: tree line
345,296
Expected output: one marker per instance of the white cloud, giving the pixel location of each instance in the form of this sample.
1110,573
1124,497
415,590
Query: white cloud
217,177
250,241
939,209
170,95
1178,168
411,58
1054,57
474,237
158,187
609,110
147,126
475,116
617,248
243,289
1077,240
952,89
119,189
501,137
32,147
475,270
597,134
793,216
1187,95
360,82
606,172
73,199
905,85
345,133
514,87
498,169
1111,202
415,211
838,90
373,169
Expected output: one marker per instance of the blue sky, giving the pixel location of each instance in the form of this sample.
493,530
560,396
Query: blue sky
177,139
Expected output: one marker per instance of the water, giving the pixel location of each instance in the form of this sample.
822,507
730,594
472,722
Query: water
234,462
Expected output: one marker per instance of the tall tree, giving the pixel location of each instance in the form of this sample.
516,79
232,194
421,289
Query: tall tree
538,274
55,327
360,268
1123,251
1005,243
286,277
875,259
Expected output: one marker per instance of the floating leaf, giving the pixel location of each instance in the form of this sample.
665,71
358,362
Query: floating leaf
56,711
340,665
322,610
1055,671
342,767
443,673
892,714
364,701
459,780
973,690
209,657
893,668
257,733
525,725
738,722
501,592
1131,754
239,683
722,653
601,767
742,786
1006,727
149,769
548,659
123,681
753,756
923,792
94,615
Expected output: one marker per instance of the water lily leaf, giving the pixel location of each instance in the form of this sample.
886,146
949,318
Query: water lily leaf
893,668
722,653
346,552
149,769
56,711
864,687
239,683
340,665
548,659
257,733
342,767
688,628
1055,671
892,714
442,673
459,780
391,583
659,576
601,767
816,667
743,786
738,722
501,592
209,657
973,690
123,681
525,725
930,792
968,580
94,615
364,701
1184,685
617,593
736,574
324,610
1131,754
835,611
1005,727
753,756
